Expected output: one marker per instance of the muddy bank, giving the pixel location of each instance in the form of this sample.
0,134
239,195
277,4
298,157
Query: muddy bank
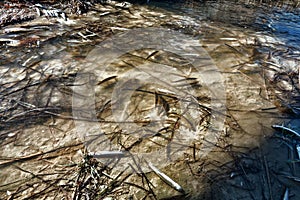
44,156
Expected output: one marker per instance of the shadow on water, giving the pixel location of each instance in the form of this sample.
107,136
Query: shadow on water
271,170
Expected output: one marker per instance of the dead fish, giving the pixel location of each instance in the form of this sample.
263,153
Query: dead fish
279,127
167,179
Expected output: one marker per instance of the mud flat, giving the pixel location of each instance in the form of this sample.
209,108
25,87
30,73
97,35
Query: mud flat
50,145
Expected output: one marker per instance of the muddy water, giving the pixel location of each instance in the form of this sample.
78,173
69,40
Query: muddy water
49,63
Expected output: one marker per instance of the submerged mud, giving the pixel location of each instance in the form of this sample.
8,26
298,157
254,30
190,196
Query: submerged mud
46,154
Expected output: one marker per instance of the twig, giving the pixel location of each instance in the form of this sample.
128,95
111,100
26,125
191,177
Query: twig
286,129
167,179
268,177
286,194
109,154
140,171
36,155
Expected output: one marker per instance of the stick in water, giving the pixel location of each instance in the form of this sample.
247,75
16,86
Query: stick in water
167,179
286,194
108,154
298,150
286,129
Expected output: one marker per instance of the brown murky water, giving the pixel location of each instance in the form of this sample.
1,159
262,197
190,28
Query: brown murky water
44,143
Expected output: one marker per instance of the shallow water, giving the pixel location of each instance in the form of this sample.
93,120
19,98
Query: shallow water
195,95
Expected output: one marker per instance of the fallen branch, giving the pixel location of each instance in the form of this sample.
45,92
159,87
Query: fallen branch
283,128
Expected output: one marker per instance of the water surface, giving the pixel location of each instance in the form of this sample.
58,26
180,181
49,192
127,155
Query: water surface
254,49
